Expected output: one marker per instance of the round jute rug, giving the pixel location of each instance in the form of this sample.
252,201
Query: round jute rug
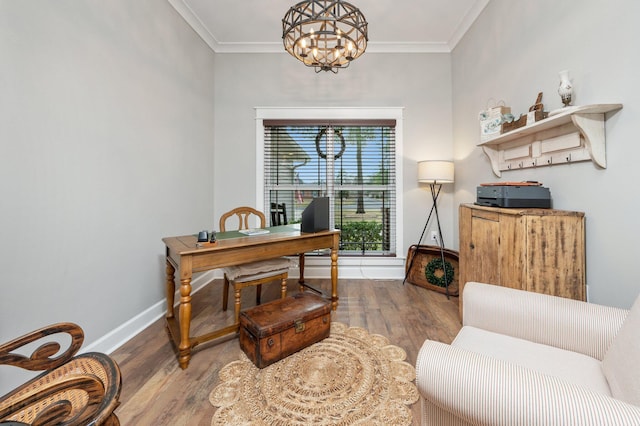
350,378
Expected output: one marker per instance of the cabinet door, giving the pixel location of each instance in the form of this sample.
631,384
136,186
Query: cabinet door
512,256
479,246
555,257
485,249
492,247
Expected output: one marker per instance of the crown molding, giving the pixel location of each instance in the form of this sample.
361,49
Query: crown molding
372,47
192,20
466,22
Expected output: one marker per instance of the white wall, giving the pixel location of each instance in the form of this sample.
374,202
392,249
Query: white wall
420,83
515,50
106,136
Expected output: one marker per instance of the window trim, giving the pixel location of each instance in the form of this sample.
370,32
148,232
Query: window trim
335,113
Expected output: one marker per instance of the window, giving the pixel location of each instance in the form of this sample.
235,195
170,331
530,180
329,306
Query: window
351,161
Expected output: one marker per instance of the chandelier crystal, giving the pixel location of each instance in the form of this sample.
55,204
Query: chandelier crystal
325,34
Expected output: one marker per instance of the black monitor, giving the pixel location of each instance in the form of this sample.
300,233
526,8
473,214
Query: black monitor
315,216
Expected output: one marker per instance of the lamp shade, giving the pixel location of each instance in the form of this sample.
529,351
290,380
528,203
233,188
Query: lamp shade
435,171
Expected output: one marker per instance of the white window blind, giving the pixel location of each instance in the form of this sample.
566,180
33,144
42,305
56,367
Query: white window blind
350,161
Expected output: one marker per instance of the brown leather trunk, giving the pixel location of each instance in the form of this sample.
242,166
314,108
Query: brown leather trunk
275,330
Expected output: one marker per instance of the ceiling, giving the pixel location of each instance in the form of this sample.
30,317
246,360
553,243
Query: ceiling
255,26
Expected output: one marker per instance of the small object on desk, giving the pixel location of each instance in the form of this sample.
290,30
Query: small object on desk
254,231
203,236
213,237
206,244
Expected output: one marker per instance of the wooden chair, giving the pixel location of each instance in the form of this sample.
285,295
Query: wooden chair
254,273
278,214
72,390
279,217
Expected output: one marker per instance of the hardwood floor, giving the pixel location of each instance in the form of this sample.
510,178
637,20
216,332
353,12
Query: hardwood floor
155,391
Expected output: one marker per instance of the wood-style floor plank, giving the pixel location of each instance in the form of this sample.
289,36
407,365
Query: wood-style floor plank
155,391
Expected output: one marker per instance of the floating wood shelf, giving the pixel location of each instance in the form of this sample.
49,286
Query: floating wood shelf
574,134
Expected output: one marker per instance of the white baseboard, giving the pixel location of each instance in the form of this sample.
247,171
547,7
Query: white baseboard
379,268
125,332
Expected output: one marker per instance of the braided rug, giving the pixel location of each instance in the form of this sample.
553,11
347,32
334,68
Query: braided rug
350,378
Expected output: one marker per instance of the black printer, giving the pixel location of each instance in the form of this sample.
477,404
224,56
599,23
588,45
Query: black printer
514,194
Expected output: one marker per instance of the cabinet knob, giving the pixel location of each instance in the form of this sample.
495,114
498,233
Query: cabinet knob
472,246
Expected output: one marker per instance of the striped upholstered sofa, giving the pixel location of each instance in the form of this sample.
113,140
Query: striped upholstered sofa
524,358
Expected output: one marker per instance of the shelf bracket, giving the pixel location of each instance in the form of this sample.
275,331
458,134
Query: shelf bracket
591,128
493,155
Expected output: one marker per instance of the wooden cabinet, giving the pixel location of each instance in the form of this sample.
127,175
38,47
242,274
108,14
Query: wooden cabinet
541,250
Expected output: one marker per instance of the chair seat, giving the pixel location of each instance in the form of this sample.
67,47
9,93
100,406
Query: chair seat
259,269
571,366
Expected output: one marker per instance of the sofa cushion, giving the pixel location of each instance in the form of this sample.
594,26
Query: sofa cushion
571,366
620,363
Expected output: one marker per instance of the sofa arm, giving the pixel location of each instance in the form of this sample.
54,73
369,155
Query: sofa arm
564,323
483,390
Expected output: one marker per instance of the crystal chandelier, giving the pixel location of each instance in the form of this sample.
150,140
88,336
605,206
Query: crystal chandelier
325,34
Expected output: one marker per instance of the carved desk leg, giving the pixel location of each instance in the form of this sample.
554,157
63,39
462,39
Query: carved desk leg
170,287
236,304
301,265
334,278
283,288
185,312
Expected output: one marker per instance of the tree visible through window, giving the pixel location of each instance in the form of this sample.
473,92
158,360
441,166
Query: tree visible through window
353,163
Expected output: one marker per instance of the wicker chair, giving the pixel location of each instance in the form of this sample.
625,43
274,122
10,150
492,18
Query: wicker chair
72,390
253,273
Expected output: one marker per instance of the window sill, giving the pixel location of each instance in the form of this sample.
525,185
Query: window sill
352,267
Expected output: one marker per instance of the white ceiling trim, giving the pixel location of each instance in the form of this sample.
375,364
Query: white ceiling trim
381,47
372,47
192,19
466,23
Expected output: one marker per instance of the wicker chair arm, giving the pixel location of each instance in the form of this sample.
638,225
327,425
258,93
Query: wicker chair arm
91,387
84,391
43,357
483,390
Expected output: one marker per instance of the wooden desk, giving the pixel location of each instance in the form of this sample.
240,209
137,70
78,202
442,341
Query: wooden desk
232,248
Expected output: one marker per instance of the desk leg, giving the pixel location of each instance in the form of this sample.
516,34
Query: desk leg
170,287
301,263
236,305
283,288
334,278
185,322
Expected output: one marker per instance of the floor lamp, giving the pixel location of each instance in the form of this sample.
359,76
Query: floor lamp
435,173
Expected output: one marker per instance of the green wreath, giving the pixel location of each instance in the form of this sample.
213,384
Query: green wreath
434,265
343,144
